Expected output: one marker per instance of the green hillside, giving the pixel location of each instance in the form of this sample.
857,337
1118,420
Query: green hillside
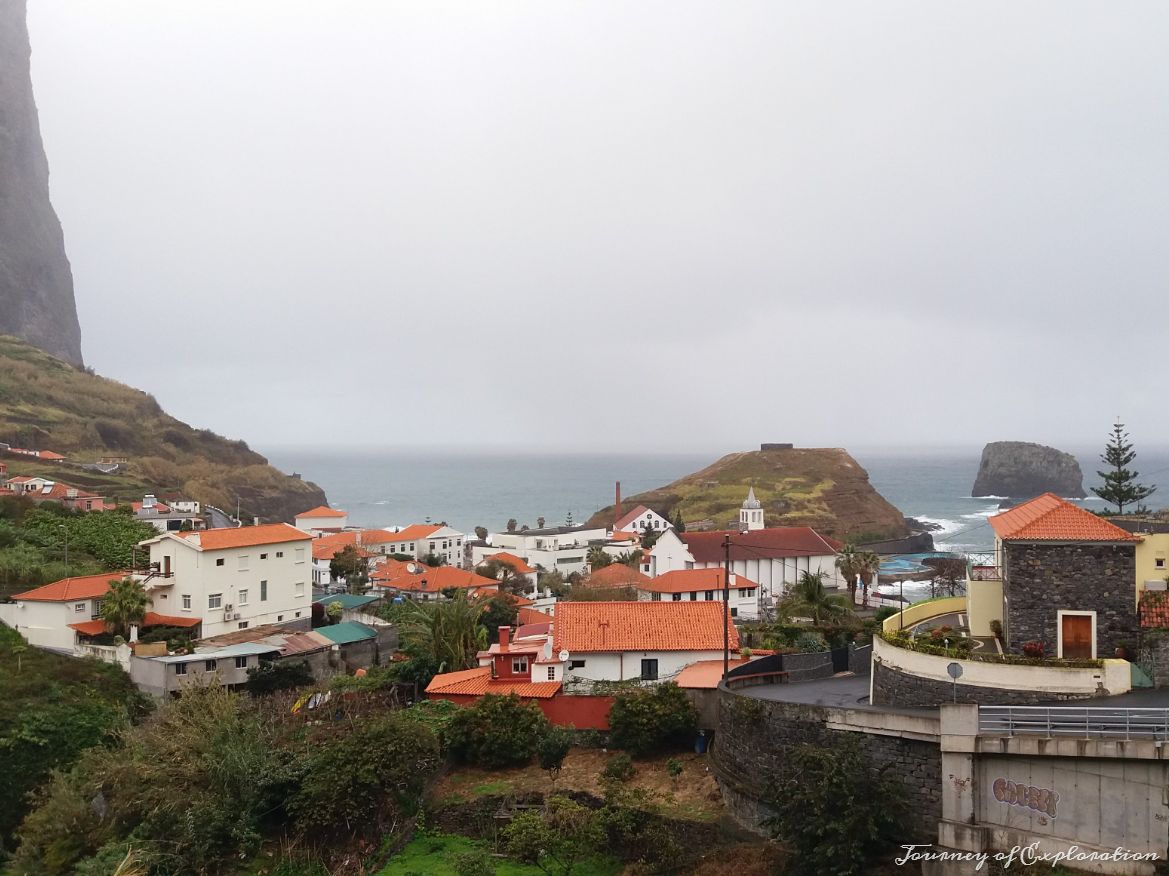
48,404
821,487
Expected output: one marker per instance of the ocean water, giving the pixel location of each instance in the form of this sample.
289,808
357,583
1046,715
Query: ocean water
396,487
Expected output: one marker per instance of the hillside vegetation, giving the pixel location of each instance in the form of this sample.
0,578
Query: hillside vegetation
821,487
48,404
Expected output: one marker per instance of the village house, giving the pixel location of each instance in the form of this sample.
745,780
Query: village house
773,557
642,519
168,518
418,540
232,578
520,569
427,584
615,576
321,519
41,489
561,548
57,614
702,585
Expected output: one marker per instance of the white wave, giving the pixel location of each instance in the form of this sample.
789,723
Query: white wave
983,514
945,524
1000,498
1087,499
383,502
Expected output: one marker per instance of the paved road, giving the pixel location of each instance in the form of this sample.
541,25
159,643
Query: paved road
846,691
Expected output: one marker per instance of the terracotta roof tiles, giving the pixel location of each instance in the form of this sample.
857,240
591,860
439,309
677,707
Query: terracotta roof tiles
229,537
321,511
640,626
1050,518
68,589
693,581
772,543
476,682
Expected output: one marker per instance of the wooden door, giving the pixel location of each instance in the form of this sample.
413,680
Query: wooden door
1077,635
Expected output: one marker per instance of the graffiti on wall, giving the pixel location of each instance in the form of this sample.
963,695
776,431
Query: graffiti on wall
1026,796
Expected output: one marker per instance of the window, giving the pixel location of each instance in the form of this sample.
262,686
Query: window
211,665
551,673
300,588
243,596
744,592
734,612
709,595
180,669
411,547
220,561
186,602
263,591
214,600
79,607
677,597
241,662
243,625
300,555
243,562
263,556
518,665
279,618
657,597
576,664
693,595
279,555
649,670
298,614
1160,562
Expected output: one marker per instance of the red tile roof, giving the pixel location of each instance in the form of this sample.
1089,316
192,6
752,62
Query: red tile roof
322,511
389,569
377,536
50,455
512,560
526,616
694,580
615,575
476,682
151,619
640,626
435,580
67,589
243,536
89,627
414,532
773,543
706,674
1154,609
1050,518
627,519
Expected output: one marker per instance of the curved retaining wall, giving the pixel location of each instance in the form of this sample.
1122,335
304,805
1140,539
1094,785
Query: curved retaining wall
911,679
755,735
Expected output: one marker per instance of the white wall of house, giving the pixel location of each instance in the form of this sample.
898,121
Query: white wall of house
46,624
321,523
447,543
263,584
649,520
622,665
744,600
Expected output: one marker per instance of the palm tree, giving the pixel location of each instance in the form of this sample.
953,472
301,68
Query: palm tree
810,598
868,568
598,558
125,605
449,631
846,562
632,559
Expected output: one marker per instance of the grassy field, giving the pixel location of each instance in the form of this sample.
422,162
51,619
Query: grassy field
434,855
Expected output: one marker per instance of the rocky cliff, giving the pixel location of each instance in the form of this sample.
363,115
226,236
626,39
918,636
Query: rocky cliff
48,404
1020,470
36,284
821,487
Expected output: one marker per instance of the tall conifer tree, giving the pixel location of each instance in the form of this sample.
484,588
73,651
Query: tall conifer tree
1120,483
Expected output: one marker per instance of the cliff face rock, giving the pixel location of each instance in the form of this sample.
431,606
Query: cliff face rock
36,284
820,487
1020,470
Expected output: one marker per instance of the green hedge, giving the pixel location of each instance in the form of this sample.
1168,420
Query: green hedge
900,640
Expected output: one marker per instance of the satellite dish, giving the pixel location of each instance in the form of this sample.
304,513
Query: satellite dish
563,655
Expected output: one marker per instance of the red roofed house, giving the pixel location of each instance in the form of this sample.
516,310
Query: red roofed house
702,585
418,540
642,519
234,577
52,616
518,564
322,519
1063,576
43,490
426,583
773,557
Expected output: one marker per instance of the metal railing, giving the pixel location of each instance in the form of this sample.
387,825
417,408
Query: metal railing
1078,722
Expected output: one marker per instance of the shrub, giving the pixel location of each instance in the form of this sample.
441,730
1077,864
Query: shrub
366,776
810,643
937,634
473,864
996,628
557,839
552,749
1034,649
497,732
674,767
834,810
619,768
647,719
884,613
277,675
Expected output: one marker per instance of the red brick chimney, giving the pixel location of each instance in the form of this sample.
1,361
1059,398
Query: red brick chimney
617,506
504,638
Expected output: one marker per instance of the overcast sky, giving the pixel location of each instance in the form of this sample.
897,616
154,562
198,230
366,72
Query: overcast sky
632,224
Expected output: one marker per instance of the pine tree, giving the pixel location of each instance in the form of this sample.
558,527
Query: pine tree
679,523
1120,484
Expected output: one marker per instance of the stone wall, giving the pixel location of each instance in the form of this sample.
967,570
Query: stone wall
892,687
860,660
1040,579
755,735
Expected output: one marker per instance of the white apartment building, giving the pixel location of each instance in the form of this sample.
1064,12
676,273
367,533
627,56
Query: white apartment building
232,578
418,540
564,548
322,519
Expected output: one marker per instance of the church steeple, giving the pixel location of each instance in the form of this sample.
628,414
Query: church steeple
751,514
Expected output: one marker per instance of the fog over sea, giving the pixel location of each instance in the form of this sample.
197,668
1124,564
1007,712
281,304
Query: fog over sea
398,486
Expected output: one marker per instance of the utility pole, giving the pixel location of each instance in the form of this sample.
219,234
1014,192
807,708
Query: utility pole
726,606
65,530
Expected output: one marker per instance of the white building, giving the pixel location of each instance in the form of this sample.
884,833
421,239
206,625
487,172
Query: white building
642,519
43,615
563,548
322,519
418,540
522,570
233,578
702,585
167,517
773,557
